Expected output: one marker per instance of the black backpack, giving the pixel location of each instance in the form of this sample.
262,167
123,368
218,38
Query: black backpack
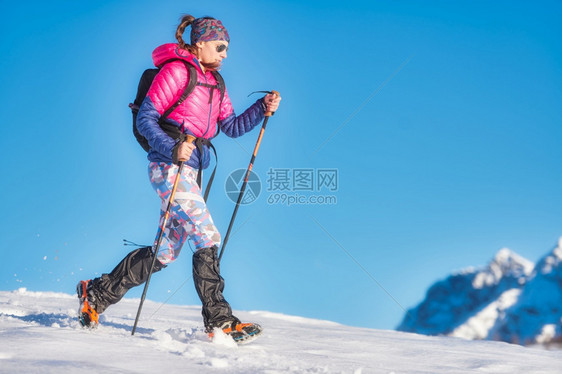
144,85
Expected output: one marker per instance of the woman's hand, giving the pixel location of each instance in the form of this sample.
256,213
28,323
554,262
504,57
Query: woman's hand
185,150
271,102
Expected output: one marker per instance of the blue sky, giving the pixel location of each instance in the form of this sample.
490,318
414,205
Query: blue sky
442,120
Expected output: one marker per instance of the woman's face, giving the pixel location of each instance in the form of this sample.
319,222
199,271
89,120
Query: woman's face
213,52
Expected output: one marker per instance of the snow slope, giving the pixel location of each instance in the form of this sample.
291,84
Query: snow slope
40,334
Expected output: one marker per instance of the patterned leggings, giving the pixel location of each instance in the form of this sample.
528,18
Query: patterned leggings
189,216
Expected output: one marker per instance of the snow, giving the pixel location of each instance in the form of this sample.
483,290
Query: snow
548,332
553,260
479,326
40,334
506,263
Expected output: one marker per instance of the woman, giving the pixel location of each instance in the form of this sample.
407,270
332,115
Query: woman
205,110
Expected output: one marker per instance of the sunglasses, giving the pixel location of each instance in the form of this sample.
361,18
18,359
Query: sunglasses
221,48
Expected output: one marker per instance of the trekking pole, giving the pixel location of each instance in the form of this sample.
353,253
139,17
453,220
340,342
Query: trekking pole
243,189
190,139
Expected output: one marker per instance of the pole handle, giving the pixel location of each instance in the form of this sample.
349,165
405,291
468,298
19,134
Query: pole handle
189,139
276,93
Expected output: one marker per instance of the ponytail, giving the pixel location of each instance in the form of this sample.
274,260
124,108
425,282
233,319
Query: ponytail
185,21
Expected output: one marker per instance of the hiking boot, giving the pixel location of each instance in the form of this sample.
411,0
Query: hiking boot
239,332
87,315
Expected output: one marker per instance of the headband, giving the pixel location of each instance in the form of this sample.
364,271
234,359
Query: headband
207,29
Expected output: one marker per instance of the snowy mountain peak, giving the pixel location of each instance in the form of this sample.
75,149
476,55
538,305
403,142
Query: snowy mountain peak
536,316
506,263
508,257
552,261
450,302
507,300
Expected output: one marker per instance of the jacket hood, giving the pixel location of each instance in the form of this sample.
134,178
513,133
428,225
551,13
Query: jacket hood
171,51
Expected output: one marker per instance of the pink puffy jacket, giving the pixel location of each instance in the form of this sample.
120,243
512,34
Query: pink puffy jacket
200,110
198,115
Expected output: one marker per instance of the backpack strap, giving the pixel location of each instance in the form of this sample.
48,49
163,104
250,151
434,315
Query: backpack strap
220,83
192,82
222,89
199,142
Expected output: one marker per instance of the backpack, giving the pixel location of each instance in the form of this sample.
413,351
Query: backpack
173,131
144,85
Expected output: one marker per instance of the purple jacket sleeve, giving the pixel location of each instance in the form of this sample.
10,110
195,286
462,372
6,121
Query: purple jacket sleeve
235,126
147,124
